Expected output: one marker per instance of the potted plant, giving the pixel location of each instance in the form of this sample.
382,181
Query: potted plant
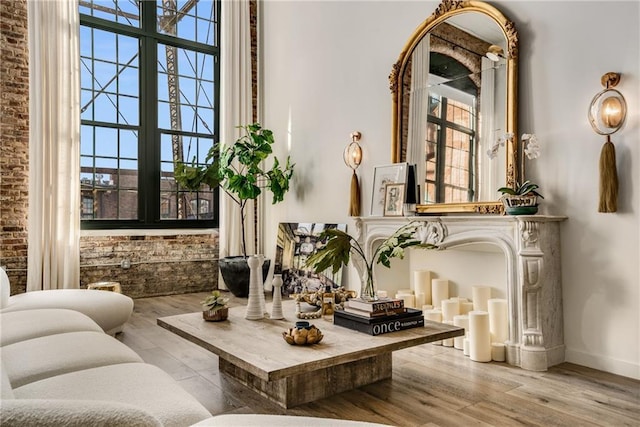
214,307
340,246
238,170
521,200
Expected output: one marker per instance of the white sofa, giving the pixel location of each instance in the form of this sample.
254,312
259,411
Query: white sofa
71,373
59,368
110,310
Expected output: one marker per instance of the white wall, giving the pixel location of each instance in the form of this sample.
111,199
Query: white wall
325,74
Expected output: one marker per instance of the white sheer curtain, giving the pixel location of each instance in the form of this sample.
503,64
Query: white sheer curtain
54,145
235,110
488,170
418,109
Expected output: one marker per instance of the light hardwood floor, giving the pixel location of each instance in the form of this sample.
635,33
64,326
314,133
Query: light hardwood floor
431,385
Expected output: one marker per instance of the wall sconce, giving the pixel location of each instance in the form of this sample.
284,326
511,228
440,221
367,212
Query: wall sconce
494,53
607,113
353,157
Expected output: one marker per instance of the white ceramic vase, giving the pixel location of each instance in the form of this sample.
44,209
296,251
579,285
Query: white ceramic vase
254,310
276,309
263,303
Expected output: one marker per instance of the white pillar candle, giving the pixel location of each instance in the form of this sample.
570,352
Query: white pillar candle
409,298
434,315
422,284
497,351
480,339
427,307
382,294
498,321
466,346
481,295
450,308
419,299
465,307
448,342
439,291
461,321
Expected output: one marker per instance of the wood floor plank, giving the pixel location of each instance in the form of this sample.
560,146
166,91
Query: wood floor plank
431,385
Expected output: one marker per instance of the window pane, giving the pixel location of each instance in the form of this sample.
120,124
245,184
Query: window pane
108,71
122,11
185,90
189,20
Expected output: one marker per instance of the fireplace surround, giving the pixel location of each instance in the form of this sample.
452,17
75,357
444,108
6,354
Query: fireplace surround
531,246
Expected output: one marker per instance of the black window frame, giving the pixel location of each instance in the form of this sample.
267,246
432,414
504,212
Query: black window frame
441,143
149,144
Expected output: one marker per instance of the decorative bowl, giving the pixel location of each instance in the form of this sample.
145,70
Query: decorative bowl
303,336
215,316
522,210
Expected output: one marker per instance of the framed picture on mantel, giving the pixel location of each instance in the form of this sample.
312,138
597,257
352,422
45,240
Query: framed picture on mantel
395,173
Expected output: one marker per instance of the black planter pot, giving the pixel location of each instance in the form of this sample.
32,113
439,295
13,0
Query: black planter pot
235,272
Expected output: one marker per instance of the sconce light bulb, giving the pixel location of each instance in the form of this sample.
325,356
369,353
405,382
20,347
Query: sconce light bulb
353,155
611,112
494,53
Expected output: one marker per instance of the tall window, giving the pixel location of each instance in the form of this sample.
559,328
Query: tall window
450,148
150,98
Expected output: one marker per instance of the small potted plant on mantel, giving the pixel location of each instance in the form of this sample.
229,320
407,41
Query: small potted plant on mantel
238,170
522,199
214,307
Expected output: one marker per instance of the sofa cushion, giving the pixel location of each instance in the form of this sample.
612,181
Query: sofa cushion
23,325
259,420
73,413
39,358
110,310
139,384
6,391
5,288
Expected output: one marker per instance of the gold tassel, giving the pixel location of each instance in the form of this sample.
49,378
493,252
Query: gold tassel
608,178
354,207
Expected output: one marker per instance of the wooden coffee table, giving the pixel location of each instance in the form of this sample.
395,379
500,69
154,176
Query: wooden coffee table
254,352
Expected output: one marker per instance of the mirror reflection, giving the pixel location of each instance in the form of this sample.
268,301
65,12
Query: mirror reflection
453,92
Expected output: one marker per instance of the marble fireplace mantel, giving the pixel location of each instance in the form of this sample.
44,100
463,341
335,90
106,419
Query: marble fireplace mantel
531,246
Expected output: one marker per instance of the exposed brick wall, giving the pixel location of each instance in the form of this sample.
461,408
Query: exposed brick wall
160,265
14,140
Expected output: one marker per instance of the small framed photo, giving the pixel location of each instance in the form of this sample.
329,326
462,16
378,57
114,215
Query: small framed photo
393,199
395,173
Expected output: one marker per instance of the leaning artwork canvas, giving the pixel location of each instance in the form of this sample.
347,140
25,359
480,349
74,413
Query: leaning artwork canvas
296,243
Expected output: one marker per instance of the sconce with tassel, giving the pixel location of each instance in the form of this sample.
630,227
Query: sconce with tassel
607,114
353,157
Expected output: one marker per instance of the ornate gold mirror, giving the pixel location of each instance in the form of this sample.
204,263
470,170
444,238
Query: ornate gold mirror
454,91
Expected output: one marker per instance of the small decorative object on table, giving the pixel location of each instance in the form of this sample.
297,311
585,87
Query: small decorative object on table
303,334
214,307
317,299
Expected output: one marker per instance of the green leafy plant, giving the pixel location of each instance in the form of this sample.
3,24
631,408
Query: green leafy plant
238,170
214,302
341,245
527,188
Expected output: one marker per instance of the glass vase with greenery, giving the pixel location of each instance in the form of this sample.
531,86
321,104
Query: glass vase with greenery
340,245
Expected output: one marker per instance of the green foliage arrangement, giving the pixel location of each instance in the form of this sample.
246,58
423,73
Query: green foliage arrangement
341,245
214,302
525,189
237,169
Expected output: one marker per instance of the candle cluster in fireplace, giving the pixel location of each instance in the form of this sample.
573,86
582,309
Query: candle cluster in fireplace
484,319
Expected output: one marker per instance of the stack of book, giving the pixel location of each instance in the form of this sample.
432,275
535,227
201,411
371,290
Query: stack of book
378,317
